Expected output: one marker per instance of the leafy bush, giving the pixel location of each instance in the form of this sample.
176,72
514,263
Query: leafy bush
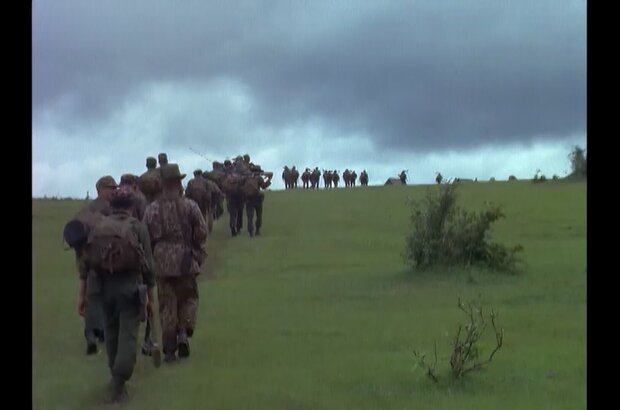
444,234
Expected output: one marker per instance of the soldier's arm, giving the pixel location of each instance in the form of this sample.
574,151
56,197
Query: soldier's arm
83,273
145,240
199,226
146,222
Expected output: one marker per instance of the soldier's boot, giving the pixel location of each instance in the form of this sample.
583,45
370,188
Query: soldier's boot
147,345
116,392
99,335
183,345
170,357
91,342
170,348
156,354
190,332
146,348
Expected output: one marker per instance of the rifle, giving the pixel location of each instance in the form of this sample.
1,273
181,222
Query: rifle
152,332
198,153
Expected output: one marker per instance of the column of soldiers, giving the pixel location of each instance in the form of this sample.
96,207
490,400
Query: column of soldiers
154,278
310,179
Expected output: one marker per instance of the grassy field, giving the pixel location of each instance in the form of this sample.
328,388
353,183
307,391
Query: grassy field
320,312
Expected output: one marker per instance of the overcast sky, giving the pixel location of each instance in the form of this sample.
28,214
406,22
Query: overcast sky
468,88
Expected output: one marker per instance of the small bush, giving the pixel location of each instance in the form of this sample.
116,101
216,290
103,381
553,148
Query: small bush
466,346
512,178
444,234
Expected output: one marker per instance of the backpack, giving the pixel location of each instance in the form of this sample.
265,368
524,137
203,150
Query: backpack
150,184
112,247
76,231
197,190
250,187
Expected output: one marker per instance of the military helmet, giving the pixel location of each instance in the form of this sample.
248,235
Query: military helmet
227,163
151,162
129,179
163,158
246,158
106,182
197,172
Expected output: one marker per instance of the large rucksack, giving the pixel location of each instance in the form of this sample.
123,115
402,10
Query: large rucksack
197,190
150,184
76,231
113,247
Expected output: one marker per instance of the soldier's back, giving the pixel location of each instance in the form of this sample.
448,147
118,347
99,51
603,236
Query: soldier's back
98,205
149,183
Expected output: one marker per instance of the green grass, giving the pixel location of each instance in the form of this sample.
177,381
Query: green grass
321,312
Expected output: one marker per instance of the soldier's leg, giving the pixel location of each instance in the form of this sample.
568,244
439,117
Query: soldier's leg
168,315
209,216
92,323
259,213
93,316
232,216
146,345
111,328
249,207
220,208
187,299
128,327
240,206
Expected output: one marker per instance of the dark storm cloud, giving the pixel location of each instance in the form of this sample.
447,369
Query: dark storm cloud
410,75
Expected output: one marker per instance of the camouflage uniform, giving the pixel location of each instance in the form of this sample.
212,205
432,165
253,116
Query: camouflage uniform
214,181
139,199
154,173
118,296
197,191
178,233
255,203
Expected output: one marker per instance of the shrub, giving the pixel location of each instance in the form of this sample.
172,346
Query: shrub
443,234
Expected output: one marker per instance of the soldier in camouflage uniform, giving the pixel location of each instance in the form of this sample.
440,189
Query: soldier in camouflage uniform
254,200
214,181
150,181
163,160
199,191
93,316
137,211
216,205
119,297
140,202
178,234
